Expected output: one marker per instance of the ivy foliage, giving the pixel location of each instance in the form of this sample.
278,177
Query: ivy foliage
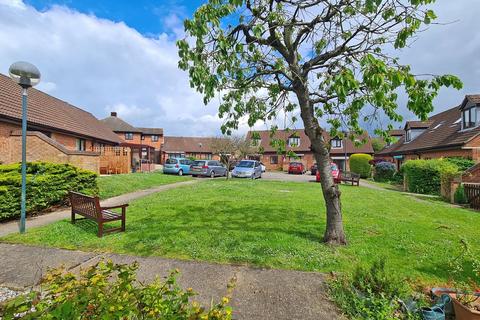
48,184
330,60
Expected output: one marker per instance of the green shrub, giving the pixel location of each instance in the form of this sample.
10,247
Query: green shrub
371,293
110,291
425,176
459,196
359,163
384,171
463,164
47,185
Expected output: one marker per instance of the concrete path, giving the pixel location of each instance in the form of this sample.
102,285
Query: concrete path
37,221
258,294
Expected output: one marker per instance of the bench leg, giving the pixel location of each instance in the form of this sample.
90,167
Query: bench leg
123,219
73,217
100,229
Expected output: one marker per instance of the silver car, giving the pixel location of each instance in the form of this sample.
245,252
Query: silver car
208,168
247,169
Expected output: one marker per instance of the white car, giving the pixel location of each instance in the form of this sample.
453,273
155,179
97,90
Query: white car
263,167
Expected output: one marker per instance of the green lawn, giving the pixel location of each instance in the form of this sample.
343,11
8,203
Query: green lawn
280,225
118,184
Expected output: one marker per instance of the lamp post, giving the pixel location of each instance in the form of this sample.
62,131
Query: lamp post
26,75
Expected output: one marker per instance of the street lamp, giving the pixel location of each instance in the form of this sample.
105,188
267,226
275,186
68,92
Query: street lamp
26,75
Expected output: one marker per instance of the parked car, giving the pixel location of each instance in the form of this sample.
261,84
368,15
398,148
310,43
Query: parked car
296,167
232,165
313,169
263,167
335,173
247,169
208,168
178,166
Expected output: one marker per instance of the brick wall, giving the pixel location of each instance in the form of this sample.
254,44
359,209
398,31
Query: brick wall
70,142
41,148
137,138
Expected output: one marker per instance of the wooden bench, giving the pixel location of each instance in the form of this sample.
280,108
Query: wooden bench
89,207
350,177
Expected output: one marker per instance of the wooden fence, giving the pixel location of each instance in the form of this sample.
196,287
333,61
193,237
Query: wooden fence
472,191
114,160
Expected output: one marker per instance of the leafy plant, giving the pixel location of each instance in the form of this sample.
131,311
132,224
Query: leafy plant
48,184
384,171
425,176
459,196
463,164
111,291
372,293
360,163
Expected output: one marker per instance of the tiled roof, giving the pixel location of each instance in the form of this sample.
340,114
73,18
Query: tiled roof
397,132
118,125
305,142
51,113
417,124
154,131
187,144
443,132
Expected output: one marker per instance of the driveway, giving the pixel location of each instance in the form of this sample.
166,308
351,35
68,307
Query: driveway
283,176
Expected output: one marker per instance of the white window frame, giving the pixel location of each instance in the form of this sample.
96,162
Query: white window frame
292,144
337,143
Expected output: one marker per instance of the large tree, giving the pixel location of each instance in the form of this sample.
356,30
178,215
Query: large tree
330,61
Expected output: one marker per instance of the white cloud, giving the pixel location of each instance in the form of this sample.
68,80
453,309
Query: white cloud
103,66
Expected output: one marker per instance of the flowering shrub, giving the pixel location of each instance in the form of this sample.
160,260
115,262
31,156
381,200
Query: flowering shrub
384,171
110,291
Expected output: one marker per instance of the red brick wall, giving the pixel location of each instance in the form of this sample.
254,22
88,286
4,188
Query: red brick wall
70,142
137,137
466,153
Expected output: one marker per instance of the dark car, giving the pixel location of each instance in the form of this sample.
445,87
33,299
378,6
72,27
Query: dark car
296,168
313,169
208,168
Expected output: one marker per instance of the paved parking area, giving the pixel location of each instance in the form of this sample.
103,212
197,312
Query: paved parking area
283,176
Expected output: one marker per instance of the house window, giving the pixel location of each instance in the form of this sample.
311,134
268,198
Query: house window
294,142
336,143
408,135
128,135
469,117
273,159
154,138
143,137
81,145
208,156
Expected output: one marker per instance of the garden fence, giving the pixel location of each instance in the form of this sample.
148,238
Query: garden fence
472,191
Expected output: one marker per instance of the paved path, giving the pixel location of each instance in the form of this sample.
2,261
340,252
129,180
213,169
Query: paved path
12,227
258,294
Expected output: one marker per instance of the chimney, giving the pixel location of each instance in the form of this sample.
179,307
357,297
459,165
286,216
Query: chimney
113,114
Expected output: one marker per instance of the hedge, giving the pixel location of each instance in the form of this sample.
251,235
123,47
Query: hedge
47,185
384,171
425,176
359,163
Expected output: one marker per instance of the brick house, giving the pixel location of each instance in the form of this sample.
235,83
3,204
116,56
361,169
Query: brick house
146,143
299,143
451,133
57,131
189,147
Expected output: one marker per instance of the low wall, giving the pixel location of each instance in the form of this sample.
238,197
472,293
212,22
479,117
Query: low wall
42,148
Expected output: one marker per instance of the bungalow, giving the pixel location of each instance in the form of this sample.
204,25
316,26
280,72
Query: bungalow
146,143
189,147
299,143
57,131
451,133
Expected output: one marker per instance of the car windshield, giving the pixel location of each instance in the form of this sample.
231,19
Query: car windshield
171,161
296,164
198,163
245,164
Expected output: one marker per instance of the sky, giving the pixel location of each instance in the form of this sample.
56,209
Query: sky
121,56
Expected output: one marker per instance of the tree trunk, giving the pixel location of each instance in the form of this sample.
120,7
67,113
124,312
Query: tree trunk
334,233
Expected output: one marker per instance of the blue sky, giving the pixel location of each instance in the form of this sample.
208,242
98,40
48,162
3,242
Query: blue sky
121,56
143,15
